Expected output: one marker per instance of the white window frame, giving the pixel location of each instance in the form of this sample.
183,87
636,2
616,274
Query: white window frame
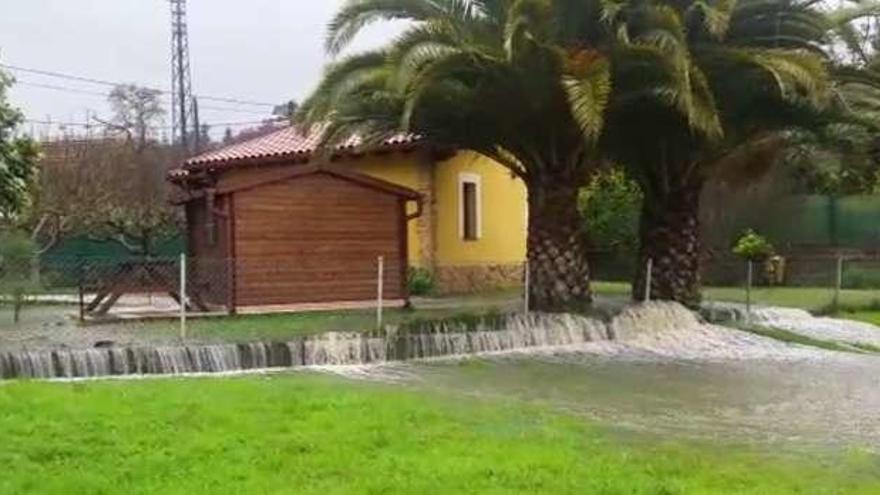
476,180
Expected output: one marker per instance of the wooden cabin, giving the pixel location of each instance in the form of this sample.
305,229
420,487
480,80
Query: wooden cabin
271,222
310,236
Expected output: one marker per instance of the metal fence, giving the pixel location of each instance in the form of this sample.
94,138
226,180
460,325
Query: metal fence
158,298
155,298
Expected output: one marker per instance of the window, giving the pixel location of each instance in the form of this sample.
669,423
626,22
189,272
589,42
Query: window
469,207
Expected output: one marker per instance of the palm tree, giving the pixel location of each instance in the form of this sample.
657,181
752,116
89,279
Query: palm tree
676,90
524,82
706,88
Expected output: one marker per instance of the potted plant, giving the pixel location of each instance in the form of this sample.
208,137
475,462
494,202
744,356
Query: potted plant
752,247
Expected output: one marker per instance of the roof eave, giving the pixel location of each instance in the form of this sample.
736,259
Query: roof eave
182,174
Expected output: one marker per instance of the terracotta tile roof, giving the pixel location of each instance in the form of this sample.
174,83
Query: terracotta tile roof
288,142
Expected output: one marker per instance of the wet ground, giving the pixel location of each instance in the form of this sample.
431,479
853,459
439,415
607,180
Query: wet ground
679,378
828,402
664,373
58,327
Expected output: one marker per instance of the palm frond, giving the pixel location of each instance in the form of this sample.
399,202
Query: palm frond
714,17
588,86
339,80
753,158
355,15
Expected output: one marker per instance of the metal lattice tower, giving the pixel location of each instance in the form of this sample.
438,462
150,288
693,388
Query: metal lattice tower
181,78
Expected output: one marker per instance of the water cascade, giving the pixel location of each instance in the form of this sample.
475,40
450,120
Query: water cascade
797,321
426,340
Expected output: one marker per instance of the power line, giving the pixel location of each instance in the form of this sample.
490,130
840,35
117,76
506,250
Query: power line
62,88
155,127
107,95
104,82
225,109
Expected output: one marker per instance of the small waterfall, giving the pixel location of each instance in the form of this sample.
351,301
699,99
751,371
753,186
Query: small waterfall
654,318
665,330
797,321
802,322
421,341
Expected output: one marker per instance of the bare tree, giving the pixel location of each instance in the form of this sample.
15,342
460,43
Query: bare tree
111,187
137,112
286,109
136,212
268,126
69,183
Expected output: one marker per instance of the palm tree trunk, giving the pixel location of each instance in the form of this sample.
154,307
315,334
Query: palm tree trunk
559,275
670,237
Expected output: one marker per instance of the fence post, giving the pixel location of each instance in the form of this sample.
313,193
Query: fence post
80,269
838,284
527,282
380,289
182,296
649,276
749,275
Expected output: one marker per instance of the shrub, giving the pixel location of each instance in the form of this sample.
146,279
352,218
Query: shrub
860,277
753,246
16,253
421,282
611,207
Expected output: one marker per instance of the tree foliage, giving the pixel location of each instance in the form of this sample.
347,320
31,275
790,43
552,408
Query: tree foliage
843,156
16,252
752,246
700,81
524,82
678,92
18,155
611,204
137,112
109,187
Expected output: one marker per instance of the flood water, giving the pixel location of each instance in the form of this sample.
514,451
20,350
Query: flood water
654,368
666,373
810,402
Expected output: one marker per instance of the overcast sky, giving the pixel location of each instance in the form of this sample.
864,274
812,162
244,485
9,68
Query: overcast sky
259,50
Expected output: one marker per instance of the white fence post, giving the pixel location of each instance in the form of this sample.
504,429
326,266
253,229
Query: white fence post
183,297
749,275
649,279
838,284
380,289
527,282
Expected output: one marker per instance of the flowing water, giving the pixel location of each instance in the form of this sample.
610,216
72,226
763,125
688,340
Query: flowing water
802,322
825,402
797,321
655,368
664,372
433,340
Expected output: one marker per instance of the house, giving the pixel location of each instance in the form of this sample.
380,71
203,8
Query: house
297,226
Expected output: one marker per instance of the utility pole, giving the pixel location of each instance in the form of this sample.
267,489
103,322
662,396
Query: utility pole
197,128
181,78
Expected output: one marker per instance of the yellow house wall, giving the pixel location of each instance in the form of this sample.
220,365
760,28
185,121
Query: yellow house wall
402,169
503,214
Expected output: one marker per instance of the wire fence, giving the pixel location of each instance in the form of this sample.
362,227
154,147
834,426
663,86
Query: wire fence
159,299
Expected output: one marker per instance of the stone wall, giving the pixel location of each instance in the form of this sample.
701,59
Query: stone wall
477,278
425,224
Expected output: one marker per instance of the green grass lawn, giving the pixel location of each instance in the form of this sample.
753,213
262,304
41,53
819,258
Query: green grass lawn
312,434
270,327
871,316
281,326
808,298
